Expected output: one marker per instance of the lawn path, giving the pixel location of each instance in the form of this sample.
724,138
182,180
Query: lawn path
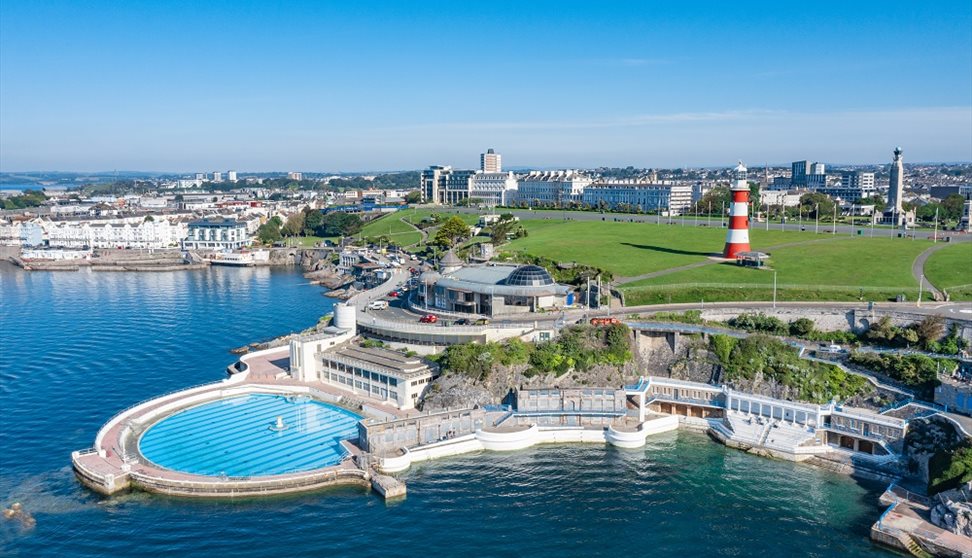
713,260
422,232
918,270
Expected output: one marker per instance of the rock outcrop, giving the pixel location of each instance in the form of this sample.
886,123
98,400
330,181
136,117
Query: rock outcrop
953,511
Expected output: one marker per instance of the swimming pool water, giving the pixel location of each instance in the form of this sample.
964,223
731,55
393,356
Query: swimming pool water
235,436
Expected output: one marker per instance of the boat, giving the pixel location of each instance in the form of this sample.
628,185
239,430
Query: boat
247,258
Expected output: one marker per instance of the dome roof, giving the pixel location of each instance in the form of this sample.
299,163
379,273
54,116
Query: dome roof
529,276
450,259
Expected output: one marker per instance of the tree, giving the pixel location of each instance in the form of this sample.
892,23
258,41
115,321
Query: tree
148,219
930,330
714,199
755,199
953,205
313,221
340,224
815,205
415,196
452,231
294,225
269,232
502,228
875,200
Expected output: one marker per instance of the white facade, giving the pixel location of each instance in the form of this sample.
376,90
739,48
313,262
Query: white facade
217,235
776,198
157,234
551,187
675,198
490,161
493,188
231,176
857,179
896,182
217,176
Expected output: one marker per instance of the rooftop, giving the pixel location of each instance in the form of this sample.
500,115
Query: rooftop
389,362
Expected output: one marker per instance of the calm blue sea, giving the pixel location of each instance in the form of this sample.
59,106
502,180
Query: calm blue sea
77,347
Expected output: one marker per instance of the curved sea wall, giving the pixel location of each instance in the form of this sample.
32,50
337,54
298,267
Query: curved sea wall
522,438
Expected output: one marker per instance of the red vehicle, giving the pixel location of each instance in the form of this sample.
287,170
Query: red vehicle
429,319
394,294
604,321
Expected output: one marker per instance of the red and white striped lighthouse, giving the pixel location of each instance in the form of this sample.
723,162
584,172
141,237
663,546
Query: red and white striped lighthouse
737,240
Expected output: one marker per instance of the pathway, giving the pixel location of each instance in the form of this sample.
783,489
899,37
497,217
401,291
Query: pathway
918,270
421,231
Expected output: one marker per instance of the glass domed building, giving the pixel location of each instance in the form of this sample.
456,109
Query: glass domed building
491,290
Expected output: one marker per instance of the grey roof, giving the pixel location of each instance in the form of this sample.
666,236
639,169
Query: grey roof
450,258
492,279
385,361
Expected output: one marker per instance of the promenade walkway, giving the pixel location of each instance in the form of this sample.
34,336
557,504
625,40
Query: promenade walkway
918,271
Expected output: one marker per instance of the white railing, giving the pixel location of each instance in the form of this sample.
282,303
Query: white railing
116,418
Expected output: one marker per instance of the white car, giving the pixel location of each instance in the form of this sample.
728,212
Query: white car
378,305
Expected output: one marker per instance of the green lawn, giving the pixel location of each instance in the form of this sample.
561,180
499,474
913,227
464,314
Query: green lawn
631,249
391,226
950,269
828,270
402,233
311,241
808,266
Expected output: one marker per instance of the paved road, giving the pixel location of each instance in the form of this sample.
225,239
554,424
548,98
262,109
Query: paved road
845,230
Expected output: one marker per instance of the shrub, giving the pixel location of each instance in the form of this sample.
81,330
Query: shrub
803,327
948,469
759,322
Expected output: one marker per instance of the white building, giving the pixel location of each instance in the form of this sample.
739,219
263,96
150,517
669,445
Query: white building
776,198
231,176
857,179
219,235
675,198
217,176
154,234
552,187
493,188
295,175
490,161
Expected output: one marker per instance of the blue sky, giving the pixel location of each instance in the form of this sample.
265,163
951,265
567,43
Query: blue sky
334,86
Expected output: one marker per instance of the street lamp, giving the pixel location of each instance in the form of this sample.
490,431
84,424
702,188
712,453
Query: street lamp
816,219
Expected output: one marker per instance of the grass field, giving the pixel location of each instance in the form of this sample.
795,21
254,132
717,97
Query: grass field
808,266
632,249
402,233
392,226
950,269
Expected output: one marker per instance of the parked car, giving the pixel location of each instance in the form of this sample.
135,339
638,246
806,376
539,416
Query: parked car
378,305
482,321
604,321
461,321
429,319
394,294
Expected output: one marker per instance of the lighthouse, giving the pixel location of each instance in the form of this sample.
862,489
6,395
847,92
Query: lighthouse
737,239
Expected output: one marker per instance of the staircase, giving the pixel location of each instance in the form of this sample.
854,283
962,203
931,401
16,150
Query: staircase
913,547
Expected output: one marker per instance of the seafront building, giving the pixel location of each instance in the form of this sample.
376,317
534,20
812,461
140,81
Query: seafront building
218,235
488,290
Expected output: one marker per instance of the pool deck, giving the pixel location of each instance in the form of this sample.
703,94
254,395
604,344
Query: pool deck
115,464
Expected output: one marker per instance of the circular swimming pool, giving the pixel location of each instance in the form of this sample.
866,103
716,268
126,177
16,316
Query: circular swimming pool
251,435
